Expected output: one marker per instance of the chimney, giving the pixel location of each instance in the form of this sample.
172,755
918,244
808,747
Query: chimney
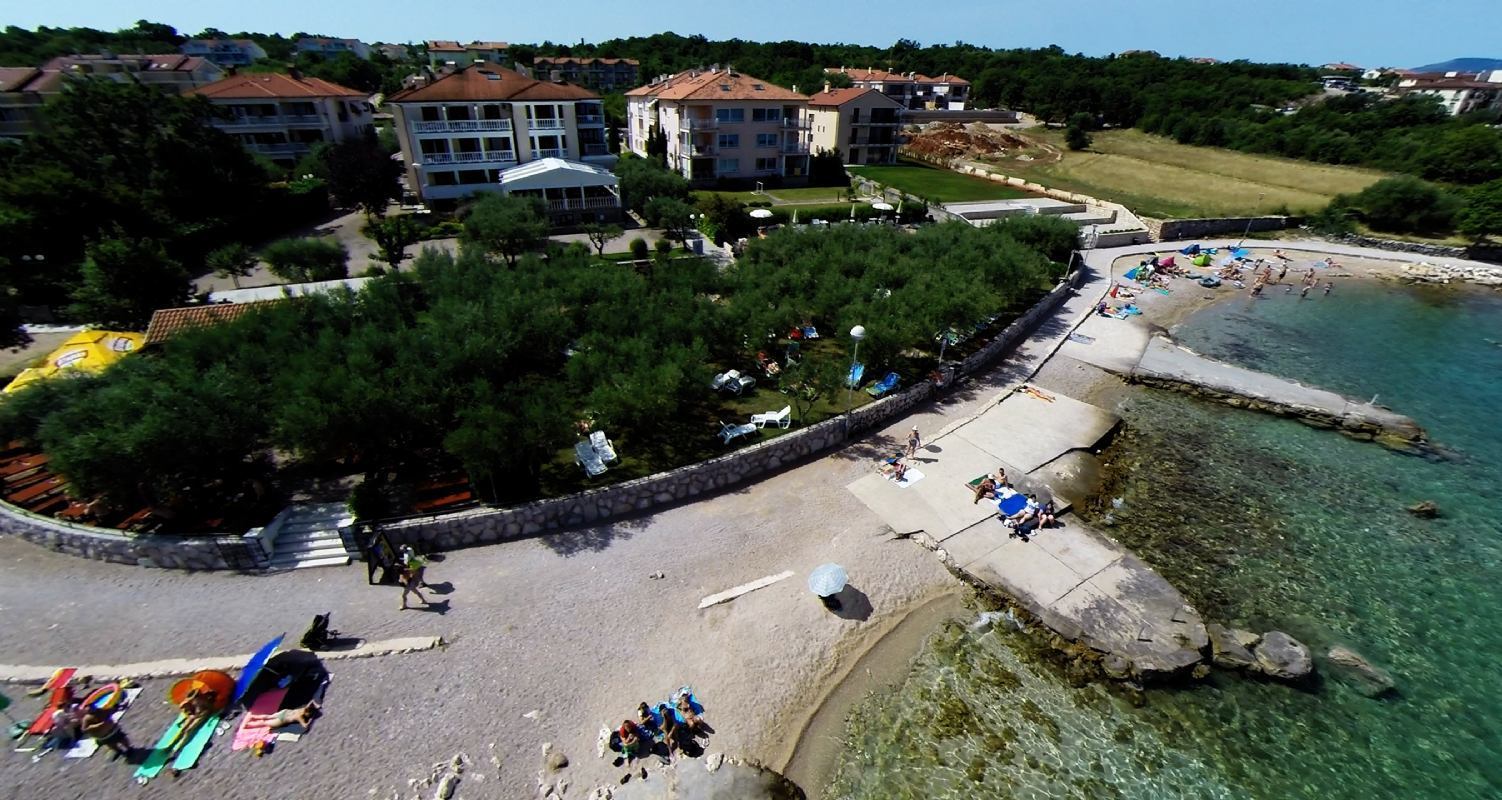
826,87
294,73
795,88
556,76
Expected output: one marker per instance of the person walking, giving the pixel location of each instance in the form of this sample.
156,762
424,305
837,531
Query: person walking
914,441
413,567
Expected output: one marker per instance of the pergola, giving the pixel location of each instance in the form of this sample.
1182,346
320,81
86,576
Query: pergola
573,191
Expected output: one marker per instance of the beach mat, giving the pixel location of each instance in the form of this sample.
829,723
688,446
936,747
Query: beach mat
56,684
187,757
266,703
87,746
157,759
909,478
1012,504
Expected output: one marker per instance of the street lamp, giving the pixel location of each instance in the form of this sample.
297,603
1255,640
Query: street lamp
1248,231
857,333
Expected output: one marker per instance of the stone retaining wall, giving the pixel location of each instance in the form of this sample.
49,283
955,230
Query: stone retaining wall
169,552
1488,253
1178,229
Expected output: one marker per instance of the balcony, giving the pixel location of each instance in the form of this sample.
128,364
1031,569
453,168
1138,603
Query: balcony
549,152
302,119
270,148
593,149
587,204
461,126
794,124
591,119
699,150
545,124
795,148
695,125
477,157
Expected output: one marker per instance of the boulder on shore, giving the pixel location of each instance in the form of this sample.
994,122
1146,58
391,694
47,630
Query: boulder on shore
1369,679
1283,657
1227,650
1427,509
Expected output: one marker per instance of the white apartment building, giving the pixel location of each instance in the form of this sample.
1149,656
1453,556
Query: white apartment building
862,125
461,131
914,91
224,52
331,48
442,52
1459,93
283,116
722,125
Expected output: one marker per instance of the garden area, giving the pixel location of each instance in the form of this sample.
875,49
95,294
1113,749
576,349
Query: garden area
492,364
937,185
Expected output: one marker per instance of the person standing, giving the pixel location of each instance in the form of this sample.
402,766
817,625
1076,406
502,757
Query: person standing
914,441
413,567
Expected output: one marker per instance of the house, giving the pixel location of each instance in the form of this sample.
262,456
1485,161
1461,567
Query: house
325,47
443,53
604,74
945,93
461,130
23,90
1340,66
1344,83
282,117
224,52
572,192
395,52
1458,93
720,124
914,91
860,124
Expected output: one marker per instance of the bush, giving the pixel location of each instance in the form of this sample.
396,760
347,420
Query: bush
1406,205
663,247
306,260
640,249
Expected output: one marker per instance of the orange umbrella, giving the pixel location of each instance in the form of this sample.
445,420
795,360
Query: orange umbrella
210,681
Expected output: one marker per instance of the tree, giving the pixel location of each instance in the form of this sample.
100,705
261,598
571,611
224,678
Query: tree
505,225
827,168
674,216
1077,135
808,380
720,217
641,180
1406,205
600,234
1482,216
393,235
307,260
233,261
124,279
640,250
361,174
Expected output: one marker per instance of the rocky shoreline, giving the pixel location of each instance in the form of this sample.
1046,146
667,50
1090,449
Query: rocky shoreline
1424,272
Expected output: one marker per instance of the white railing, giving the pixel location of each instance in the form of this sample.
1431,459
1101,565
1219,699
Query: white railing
587,204
461,125
794,123
545,124
691,125
591,119
298,119
549,152
468,158
794,148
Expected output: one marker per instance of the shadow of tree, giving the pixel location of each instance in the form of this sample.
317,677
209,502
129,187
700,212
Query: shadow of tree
593,539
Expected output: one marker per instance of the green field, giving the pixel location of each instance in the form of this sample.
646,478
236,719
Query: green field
1158,177
790,196
938,185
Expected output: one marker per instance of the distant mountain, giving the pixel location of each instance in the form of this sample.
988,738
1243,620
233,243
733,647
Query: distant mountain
1463,65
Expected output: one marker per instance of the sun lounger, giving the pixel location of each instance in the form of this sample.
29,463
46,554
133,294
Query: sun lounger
810,332
883,386
854,378
781,419
601,443
730,432
586,457
733,382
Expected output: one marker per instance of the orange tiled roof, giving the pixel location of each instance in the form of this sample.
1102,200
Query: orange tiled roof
582,61
877,75
945,78
490,82
169,322
839,97
715,85
258,85
14,79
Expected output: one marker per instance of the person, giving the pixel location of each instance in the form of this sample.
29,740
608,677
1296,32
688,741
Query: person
1047,517
899,470
1282,272
416,563
986,488
1022,523
101,726
672,732
303,716
1328,286
411,582
646,721
693,724
62,732
1000,475
1305,291
914,441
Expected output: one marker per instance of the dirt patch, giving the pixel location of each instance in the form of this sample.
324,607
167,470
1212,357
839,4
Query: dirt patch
950,140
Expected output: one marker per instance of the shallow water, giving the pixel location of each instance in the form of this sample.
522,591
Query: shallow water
1264,523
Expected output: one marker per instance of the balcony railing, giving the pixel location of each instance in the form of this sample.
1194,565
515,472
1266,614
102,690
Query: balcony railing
280,147
693,125
591,119
794,123
549,152
698,151
301,119
461,125
587,204
794,148
545,124
467,158
596,150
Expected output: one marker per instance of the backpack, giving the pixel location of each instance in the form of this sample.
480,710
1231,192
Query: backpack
317,635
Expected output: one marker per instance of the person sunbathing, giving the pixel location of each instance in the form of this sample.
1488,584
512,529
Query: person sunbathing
303,716
646,721
693,724
985,489
1047,517
99,725
899,470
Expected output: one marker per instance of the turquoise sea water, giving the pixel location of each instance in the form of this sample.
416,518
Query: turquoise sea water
1264,523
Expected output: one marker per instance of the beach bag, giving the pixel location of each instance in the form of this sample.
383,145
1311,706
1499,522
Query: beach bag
317,635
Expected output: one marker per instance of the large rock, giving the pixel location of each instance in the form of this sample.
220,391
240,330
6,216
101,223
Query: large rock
1227,650
1283,657
1427,509
692,779
1370,680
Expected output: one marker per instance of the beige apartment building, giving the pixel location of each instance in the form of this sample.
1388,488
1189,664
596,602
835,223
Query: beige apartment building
722,125
914,91
862,125
23,90
282,117
460,132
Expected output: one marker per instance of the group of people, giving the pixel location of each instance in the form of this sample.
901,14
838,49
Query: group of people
894,466
1310,280
1023,522
72,720
664,731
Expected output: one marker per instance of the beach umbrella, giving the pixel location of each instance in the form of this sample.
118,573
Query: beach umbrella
852,212
761,213
882,206
827,579
254,665
795,216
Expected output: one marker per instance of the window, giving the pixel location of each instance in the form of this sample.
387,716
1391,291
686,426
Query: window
766,140
728,166
730,114
442,179
730,141
766,164
470,177
765,114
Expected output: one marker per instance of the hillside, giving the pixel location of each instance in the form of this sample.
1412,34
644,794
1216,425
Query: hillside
1462,65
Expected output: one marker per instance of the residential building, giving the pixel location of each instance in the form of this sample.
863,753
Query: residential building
461,130
443,53
20,100
23,90
395,52
1459,93
1340,66
283,116
861,125
572,192
326,47
224,52
914,91
603,74
722,125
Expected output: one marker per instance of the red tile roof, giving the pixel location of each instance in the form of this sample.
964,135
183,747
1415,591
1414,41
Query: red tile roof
540,60
490,82
715,85
155,62
260,85
953,80
169,322
14,79
876,75
839,97
449,46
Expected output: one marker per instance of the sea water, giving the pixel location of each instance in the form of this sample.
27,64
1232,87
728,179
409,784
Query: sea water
1263,523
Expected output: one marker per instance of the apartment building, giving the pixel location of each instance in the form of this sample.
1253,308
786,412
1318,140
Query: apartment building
20,101
914,91
283,116
1458,92
326,47
722,125
224,52
23,90
603,74
861,125
462,130
395,52
443,53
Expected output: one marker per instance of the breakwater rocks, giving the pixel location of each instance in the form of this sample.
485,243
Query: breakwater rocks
1447,273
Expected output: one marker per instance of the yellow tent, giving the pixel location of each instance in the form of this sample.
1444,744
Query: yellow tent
84,352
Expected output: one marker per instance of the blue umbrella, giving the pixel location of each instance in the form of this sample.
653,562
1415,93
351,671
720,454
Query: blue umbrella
827,579
253,666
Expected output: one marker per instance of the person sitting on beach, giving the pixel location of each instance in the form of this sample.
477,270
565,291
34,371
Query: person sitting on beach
693,724
899,471
62,732
1047,518
1022,523
196,706
303,716
101,726
632,740
672,731
985,489
1000,476
646,721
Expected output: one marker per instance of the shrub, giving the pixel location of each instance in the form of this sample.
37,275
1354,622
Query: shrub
305,260
640,249
1406,205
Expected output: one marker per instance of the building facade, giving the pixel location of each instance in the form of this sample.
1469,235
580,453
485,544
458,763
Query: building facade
325,47
602,74
862,125
282,117
20,101
224,52
914,91
444,53
721,125
23,90
1458,93
459,132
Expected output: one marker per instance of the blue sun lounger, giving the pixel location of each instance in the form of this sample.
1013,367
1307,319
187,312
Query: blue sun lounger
883,386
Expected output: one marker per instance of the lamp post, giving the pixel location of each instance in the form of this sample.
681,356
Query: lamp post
1248,231
857,333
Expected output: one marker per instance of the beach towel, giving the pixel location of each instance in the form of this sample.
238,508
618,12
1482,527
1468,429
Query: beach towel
1240,252
1133,273
1011,505
58,683
268,702
1167,261
1131,310
87,745
1081,338
909,478
1192,249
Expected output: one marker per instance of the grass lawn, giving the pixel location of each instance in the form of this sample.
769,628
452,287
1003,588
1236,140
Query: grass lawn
940,185
793,196
1159,177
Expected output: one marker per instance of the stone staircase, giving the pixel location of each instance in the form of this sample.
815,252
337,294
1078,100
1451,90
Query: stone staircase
307,535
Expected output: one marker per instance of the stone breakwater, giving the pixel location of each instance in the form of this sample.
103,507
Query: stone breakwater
1448,273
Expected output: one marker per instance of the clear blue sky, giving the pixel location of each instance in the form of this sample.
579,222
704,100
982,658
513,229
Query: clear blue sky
1370,33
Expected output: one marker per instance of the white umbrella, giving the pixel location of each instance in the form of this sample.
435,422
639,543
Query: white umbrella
761,213
827,579
899,206
852,212
882,206
795,216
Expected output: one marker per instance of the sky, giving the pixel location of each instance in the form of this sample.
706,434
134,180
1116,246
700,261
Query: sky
1370,34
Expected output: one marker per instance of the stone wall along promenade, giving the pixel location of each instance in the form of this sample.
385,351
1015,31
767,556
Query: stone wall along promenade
1178,229
100,544
1477,252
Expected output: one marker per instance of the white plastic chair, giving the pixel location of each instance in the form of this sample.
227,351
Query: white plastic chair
781,419
602,446
586,457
